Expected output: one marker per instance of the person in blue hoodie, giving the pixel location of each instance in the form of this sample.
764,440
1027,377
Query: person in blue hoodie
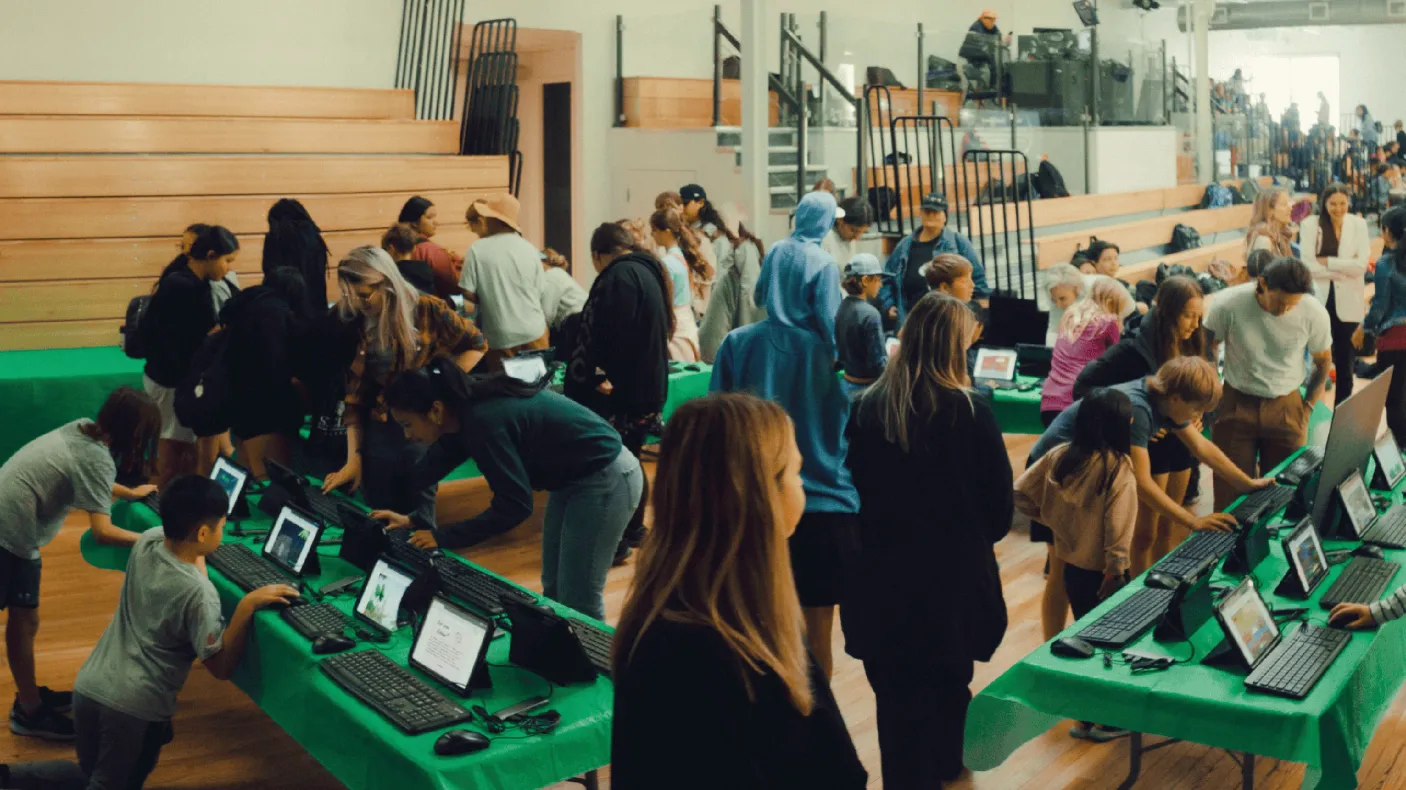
905,285
789,358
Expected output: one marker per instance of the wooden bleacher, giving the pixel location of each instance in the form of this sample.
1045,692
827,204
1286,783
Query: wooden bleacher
685,103
98,180
1141,234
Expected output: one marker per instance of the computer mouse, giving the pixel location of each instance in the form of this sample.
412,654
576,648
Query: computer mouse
1368,550
331,643
1162,581
461,742
1072,647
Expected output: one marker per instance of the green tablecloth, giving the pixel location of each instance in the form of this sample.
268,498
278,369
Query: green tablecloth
1329,730
1019,411
363,750
41,390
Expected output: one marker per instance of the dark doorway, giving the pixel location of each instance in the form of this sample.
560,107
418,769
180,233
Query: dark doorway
556,166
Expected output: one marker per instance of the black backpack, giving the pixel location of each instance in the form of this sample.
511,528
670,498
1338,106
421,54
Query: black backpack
1049,182
132,339
883,200
202,400
1185,237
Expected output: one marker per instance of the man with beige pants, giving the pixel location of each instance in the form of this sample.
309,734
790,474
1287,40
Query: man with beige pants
1266,326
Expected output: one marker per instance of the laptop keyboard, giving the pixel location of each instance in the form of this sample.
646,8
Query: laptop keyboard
1261,504
242,566
389,689
1362,581
462,581
316,620
1301,467
1389,529
1126,621
1297,664
596,643
1194,551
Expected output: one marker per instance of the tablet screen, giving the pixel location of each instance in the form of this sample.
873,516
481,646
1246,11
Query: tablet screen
380,597
1389,459
995,363
291,540
1248,622
1306,552
1357,502
231,478
450,643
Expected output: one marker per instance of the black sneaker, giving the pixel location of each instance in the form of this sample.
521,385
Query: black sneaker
622,553
61,701
45,723
633,537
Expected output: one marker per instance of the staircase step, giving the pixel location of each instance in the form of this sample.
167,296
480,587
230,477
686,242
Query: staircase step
786,176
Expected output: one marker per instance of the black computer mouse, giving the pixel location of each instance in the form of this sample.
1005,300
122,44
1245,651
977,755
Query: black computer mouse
1368,550
1072,647
331,643
460,742
1162,581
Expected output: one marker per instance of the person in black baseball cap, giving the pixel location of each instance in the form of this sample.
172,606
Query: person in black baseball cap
932,238
694,196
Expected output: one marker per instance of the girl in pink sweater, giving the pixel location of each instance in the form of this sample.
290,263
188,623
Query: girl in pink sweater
1092,326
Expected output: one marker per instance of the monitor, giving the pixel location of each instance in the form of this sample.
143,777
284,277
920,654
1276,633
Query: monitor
1088,15
1356,422
451,644
1357,503
995,363
1305,554
1247,622
292,539
1389,463
379,603
231,477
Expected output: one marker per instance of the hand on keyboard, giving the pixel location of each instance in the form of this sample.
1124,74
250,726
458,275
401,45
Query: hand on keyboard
1216,522
1354,616
1260,483
142,492
392,520
271,594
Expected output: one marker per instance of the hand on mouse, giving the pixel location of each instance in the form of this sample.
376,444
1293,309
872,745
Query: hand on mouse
1356,616
393,520
271,594
1215,522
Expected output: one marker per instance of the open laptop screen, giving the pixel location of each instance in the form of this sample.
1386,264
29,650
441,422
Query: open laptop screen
379,603
231,478
451,643
1247,622
1389,459
1357,503
995,363
291,540
1305,553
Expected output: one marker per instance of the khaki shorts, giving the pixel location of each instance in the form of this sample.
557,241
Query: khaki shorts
165,398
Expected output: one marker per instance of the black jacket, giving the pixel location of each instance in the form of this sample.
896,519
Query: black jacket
624,331
179,317
263,358
927,580
1132,357
299,244
683,721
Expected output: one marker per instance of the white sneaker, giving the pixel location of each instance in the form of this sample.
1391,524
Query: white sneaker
1097,733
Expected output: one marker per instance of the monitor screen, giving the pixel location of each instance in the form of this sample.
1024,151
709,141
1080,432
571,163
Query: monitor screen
1357,502
1389,459
995,363
1356,423
1247,622
380,598
450,644
231,478
292,539
1306,553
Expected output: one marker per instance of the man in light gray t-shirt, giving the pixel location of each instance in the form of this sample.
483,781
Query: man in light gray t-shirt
1266,327
503,276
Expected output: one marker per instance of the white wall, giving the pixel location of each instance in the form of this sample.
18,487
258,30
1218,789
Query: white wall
323,43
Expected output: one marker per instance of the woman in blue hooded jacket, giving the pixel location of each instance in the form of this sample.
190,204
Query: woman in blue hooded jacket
789,358
1386,317
905,285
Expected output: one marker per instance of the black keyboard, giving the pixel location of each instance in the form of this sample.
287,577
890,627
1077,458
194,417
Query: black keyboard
596,643
1194,551
1126,621
242,566
321,505
1362,581
1389,529
153,501
1296,664
316,620
408,702
1260,505
462,581
1302,466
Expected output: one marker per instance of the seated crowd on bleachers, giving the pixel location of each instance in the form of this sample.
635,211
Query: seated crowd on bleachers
797,490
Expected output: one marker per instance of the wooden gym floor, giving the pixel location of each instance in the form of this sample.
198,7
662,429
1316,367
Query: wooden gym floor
223,741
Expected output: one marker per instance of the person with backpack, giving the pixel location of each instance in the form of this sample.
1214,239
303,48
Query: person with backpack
176,323
423,218
906,285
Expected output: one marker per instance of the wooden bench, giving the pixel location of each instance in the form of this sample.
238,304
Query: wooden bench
142,98
1141,234
1199,259
682,103
85,135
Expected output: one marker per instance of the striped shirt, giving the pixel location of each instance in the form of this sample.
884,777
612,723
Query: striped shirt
1390,607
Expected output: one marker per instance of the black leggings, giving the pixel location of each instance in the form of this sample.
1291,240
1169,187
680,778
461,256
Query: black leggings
1396,393
1081,586
1344,355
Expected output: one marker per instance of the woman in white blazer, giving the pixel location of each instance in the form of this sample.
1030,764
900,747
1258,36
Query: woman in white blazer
1335,246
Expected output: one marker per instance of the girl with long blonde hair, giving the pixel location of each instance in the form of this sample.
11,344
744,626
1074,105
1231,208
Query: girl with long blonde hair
1092,326
1271,224
399,331
712,624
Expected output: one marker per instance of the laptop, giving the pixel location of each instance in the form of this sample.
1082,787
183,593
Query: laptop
379,603
1390,468
1305,554
292,540
451,644
995,368
1286,667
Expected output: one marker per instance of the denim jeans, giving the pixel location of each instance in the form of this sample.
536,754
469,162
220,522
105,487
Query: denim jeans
582,528
115,752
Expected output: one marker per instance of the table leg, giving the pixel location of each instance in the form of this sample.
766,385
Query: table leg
590,781
1134,761
1247,771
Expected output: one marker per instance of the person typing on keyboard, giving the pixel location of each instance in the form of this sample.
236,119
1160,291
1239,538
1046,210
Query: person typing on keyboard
168,616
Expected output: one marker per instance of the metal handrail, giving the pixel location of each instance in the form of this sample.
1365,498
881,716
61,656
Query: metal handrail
825,74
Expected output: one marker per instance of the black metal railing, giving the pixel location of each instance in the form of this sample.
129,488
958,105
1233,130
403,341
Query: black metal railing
997,187
794,57
490,124
427,59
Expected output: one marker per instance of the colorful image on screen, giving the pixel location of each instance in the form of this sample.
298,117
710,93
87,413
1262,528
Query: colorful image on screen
1250,623
1357,501
995,364
230,478
1308,556
380,598
291,540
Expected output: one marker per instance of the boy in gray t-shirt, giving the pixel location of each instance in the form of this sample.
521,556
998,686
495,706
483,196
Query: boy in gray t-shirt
168,617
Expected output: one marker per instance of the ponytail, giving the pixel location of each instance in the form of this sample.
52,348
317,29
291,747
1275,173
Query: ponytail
441,380
670,220
710,215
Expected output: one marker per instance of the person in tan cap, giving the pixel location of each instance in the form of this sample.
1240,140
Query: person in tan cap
986,25
503,277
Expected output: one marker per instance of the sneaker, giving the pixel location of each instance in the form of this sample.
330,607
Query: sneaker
1097,733
634,537
61,701
45,723
622,553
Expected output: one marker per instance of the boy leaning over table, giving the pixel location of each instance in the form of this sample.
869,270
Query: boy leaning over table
168,616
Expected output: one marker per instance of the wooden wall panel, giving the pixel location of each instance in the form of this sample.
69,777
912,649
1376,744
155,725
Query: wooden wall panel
135,176
89,135
59,334
119,98
127,217
681,103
